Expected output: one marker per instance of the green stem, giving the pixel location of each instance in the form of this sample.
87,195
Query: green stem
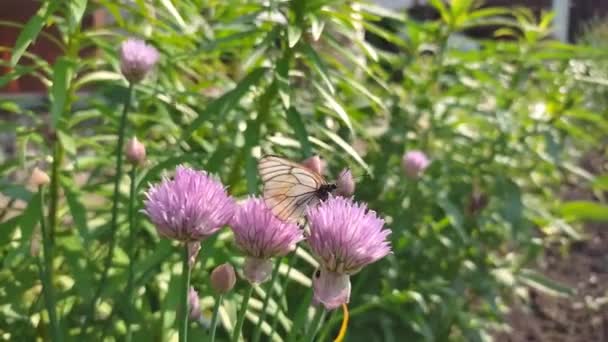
262,317
183,318
216,310
46,272
275,318
54,191
241,316
314,325
115,198
131,250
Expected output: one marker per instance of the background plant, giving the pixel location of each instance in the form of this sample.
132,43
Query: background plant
504,122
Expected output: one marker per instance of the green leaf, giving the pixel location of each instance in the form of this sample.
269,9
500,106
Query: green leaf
347,148
32,29
62,75
333,104
224,104
67,142
30,217
295,121
544,284
77,210
601,183
584,210
294,33
318,65
7,228
77,9
454,214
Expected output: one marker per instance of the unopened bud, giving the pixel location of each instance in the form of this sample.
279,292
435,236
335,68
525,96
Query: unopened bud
345,185
414,163
135,152
39,178
223,278
194,305
315,163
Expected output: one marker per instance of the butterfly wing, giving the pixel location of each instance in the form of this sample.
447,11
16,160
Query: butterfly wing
288,187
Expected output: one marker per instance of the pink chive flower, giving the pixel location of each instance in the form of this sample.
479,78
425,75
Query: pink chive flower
261,236
190,207
345,237
345,184
136,59
194,304
414,163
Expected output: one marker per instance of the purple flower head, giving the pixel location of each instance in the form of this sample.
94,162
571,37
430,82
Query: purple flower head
136,59
414,163
190,207
345,184
345,236
261,235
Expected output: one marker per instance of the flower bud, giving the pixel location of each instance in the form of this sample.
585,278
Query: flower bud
315,164
136,59
39,178
135,152
414,163
223,278
257,270
345,185
194,305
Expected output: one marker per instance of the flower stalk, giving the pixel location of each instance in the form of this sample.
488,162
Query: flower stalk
115,198
131,251
314,324
214,318
241,315
46,272
258,328
185,310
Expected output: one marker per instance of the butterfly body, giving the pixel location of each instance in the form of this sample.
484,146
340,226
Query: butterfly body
324,191
289,187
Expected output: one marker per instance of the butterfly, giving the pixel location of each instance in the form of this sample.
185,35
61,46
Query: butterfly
289,187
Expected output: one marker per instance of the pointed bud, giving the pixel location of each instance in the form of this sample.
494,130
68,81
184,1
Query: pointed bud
135,152
194,305
414,163
314,163
345,185
223,278
39,178
257,270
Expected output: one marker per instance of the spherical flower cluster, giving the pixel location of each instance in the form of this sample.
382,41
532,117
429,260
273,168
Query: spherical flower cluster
190,207
344,236
137,59
261,236
414,163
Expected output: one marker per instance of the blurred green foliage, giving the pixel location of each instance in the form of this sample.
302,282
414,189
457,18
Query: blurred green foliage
504,120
